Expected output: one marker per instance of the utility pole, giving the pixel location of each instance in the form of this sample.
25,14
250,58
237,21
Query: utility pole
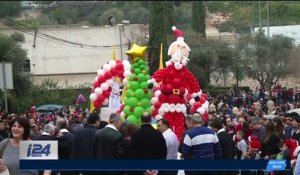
259,13
268,30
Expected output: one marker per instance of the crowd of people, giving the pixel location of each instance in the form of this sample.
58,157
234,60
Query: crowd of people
249,127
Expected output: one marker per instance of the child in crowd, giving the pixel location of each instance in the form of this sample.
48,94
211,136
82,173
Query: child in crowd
241,145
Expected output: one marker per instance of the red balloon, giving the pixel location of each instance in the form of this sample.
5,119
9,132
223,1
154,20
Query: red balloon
202,100
108,75
157,105
97,104
119,66
154,112
114,72
161,98
204,95
177,81
101,79
96,84
106,93
100,98
92,90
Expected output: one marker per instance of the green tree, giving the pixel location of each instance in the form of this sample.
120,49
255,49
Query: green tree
10,8
12,51
158,32
198,17
266,59
226,58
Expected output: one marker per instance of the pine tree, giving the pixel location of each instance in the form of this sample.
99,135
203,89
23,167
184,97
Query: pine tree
161,15
198,17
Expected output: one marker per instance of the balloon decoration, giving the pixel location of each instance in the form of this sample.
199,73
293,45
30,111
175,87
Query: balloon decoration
105,77
80,99
137,99
175,86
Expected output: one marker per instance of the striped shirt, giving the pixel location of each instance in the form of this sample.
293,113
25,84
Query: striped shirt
201,143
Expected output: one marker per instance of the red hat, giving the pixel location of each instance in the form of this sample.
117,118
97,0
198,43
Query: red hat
178,33
255,145
292,145
253,138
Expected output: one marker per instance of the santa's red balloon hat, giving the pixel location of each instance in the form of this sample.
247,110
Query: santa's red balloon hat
178,33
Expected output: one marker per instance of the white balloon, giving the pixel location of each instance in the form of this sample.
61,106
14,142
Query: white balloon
167,109
154,100
158,117
172,108
127,67
112,63
157,93
205,106
100,72
127,73
192,101
105,102
104,86
93,97
125,62
178,109
96,78
161,111
122,114
106,67
98,91
183,108
109,82
125,81
201,110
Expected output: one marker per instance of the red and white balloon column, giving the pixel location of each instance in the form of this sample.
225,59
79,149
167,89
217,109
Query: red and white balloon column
104,80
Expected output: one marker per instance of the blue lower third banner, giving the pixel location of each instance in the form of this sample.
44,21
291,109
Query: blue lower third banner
119,165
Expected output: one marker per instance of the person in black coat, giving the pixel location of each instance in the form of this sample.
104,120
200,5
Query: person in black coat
226,142
108,142
48,134
83,141
65,140
147,142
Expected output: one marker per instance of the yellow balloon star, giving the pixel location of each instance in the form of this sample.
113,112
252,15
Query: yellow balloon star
136,52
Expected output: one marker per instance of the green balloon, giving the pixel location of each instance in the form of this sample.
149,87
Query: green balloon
129,92
144,85
141,77
132,101
137,70
148,95
139,93
127,110
123,119
142,67
140,62
148,110
131,76
138,111
134,85
145,103
148,77
125,100
147,68
132,119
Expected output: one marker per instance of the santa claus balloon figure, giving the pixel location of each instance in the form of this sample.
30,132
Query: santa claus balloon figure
174,87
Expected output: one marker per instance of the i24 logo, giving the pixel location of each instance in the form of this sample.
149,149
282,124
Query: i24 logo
37,150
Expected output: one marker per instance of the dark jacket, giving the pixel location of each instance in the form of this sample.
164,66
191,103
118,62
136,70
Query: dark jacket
83,143
108,144
45,137
227,145
149,143
65,145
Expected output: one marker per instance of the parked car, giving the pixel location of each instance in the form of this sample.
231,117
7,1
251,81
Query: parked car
49,108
